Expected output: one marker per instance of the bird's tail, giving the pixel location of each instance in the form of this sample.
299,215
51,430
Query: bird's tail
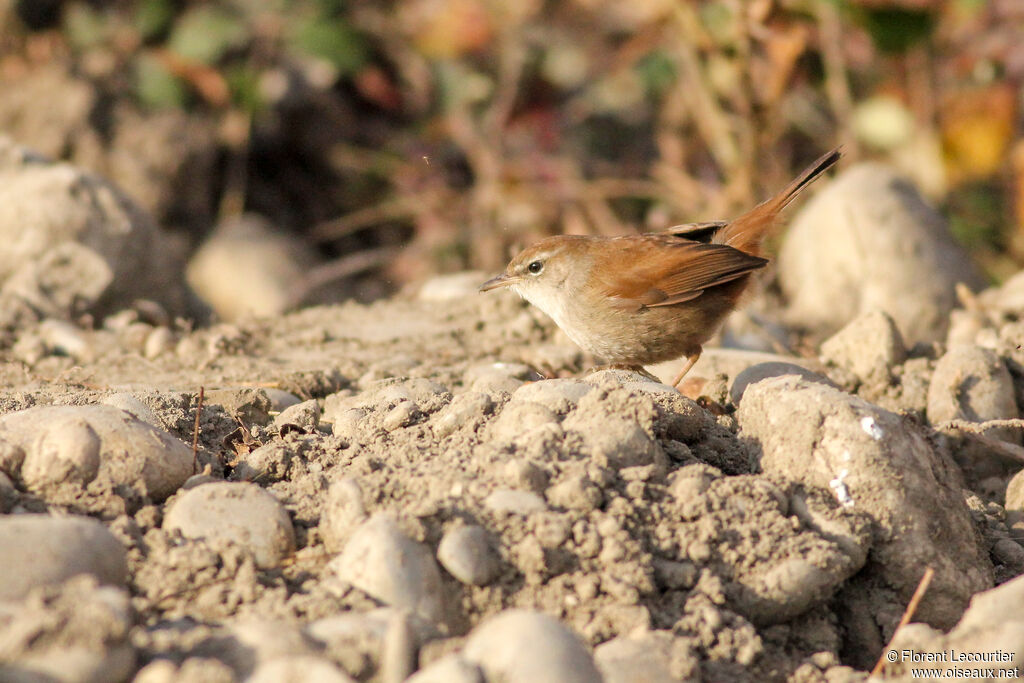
746,232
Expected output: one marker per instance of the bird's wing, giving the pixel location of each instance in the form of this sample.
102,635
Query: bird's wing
664,271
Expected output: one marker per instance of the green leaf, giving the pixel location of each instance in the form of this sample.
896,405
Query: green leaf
332,40
894,30
205,33
244,84
153,17
157,87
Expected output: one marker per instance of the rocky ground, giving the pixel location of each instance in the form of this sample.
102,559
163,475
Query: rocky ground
431,486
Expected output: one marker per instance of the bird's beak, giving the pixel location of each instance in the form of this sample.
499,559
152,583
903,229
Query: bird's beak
496,282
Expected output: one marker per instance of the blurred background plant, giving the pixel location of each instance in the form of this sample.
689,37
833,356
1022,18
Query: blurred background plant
409,137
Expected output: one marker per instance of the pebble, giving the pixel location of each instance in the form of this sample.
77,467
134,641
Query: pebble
298,669
74,633
37,550
518,418
576,492
860,244
342,513
467,408
248,643
247,404
280,400
869,346
557,395
229,513
383,562
63,441
874,461
467,554
158,342
514,502
451,287
760,371
449,669
971,383
622,442
247,267
132,405
402,415
556,654
643,657
345,423
305,415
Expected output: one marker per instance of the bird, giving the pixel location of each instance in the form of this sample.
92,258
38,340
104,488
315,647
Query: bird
635,300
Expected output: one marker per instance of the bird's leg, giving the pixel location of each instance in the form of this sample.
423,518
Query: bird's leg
691,360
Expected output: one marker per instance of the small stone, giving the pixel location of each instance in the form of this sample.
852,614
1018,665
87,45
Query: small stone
38,550
468,408
514,502
381,561
280,400
241,514
343,512
298,669
131,404
557,395
402,415
576,492
251,406
305,415
869,346
68,451
518,418
158,342
468,556
250,642
346,422
760,371
451,287
556,654
622,442
449,669
643,657
526,474
1009,553
62,445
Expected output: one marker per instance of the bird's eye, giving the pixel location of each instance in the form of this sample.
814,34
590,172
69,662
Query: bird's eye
535,267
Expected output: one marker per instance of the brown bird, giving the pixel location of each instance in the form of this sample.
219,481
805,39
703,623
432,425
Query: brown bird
641,299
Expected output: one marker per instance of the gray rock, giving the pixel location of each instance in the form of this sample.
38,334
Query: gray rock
403,414
158,342
72,242
298,669
251,406
382,561
645,657
728,362
247,267
449,669
556,654
760,371
280,399
863,243
508,501
343,512
470,408
519,418
876,462
971,383
869,346
557,395
66,447
132,405
73,633
248,643
38,550
234,514
992,625
305,415
467,554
